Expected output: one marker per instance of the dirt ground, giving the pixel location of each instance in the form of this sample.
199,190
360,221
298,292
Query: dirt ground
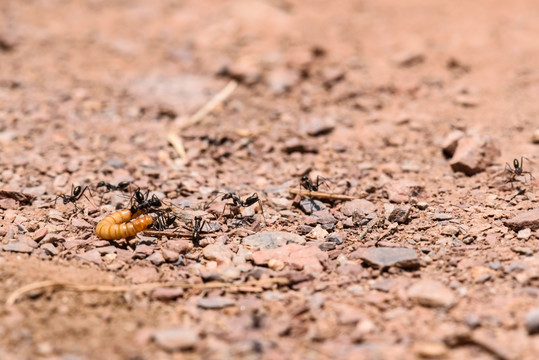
429,263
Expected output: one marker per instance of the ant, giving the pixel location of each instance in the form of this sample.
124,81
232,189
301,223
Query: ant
143,201
163,222
237,202
110,187
76,193
198,224
517,171
308,184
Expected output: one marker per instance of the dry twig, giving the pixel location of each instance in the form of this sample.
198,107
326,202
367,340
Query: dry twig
320,194
60,285
177,143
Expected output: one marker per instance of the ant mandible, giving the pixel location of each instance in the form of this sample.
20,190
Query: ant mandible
517,171
163,222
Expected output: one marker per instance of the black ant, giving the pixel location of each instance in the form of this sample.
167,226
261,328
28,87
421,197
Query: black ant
163,222
76,193
308,184
237,202
198,224
111,187
517,171
143,201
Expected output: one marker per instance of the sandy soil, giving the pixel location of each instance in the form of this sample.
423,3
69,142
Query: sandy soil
365,94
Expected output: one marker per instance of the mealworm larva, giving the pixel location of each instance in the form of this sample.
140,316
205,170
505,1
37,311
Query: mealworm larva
119,225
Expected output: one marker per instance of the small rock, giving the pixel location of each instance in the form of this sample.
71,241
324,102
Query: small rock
142,251
141,274
9,204
296,145
92,256
409,58
180,246
218,252
386,257
400,215
535,136
442,216
431,293
450,230
176,339
522,250
474,153
308,206
276,264
318,233
400,191
281,80
167,293
430,350
532,321
360,206
216,302
40,234
19,246
315,125
326,246
450,143
170,256
310,258
524,234
422,205
79,223
473,321
525,219
50,249
335,238
272,240
156,258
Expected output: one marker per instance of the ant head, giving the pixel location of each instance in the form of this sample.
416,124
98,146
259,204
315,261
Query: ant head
198,218
123,184
76,191
139,196
100,184
516,164
305,178
154,201
227,196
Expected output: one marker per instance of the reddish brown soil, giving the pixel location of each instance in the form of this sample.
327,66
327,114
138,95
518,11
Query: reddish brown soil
90,89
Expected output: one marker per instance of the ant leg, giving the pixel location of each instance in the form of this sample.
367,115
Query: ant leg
262,210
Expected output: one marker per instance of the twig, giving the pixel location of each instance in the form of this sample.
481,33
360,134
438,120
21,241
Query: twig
60,285
210,105
177,143
320,195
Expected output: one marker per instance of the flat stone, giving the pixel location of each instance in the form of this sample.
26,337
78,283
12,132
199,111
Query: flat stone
180,246
272,240
218,252
318,233
308,206
386,257
142,251
92,256
449,145
360,206
442,216
400,215
216,302
532,321
310,258
40,234
176,339
473,154
50,249
142,274
401,191
524,234
431,293
169,255
156,258
79,223
19,246
167,293
525,219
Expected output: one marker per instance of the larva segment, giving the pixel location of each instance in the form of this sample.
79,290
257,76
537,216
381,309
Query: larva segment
119,225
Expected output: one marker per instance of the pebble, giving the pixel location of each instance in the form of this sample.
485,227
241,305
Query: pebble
170,256
281,80
167,293
308,206
40,234
176,339
142,274
276,264
450,230
180,246
156,258
216,302
430,350
522,250
142,251
422,205
272,240
79,223
360,206
400,215
315,125
431,293
335,238
218,252
19,246
9,204
318,233
449,145
386,257
50,249
310,258
535,136
525,219
400,191
473,154
524,234
92,256
532,321
442,216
